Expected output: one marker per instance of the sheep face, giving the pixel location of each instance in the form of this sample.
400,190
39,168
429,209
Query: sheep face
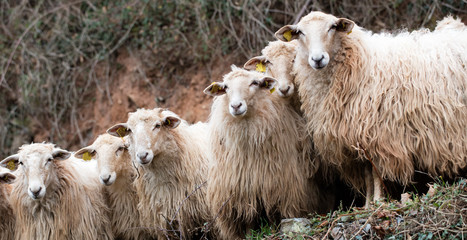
35,166
318,36
109,151
148,133
276,61
242,88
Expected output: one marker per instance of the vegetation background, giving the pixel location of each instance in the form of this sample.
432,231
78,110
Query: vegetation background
71,69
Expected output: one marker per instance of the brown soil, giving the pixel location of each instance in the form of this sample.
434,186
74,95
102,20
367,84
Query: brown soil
136,86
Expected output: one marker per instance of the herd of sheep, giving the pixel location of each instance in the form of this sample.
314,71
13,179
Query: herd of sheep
327,100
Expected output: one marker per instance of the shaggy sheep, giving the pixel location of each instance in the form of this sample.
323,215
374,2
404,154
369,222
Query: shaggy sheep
55,198
171,157
117,173
260,160
277,61
7,223
396,99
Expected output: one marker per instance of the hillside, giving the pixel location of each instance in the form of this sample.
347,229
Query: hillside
71,69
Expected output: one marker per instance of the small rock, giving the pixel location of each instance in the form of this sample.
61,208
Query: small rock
345,218
294,226
362,221
367,228
335,232
399,220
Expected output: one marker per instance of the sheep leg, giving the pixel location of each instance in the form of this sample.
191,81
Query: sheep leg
377,187
369,186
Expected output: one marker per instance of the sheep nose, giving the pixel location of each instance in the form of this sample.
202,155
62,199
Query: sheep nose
236,106
142,156
36,192
317,59
284,90
105,179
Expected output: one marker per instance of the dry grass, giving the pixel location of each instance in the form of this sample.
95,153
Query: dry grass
55,54
440,214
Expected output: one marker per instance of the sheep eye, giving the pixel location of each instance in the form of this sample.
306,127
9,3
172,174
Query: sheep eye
50,159
256,83
20,163
300,33
334,26
121,148
158,125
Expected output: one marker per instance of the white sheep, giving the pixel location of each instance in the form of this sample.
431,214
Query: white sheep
277,61
7,222
171,157
396,99
260,162
55,198
117,173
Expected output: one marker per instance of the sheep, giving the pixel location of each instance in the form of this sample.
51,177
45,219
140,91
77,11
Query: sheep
260,161
117,173
7,224
396,99
55,198
277,61
171,156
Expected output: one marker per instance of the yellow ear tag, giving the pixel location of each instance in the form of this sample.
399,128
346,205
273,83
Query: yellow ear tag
121,131
272,90
349,32
260,67
288,35
214,88
168,121
11,165
87,156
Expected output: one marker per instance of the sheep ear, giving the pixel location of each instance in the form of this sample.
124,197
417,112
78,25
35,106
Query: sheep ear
287,33
86,153
344,25
257,63
171,121
10,162
215,89
60,154
268,83
119,130
7,178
